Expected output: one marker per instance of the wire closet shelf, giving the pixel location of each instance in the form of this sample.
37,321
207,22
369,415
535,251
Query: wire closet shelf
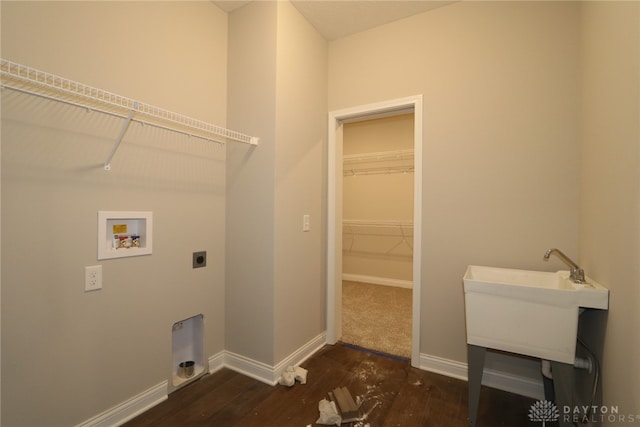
22,78
398,233
377,163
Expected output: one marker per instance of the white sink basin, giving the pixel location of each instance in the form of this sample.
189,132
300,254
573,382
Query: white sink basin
527,312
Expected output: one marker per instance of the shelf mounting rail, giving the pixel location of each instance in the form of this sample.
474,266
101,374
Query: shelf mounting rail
24,79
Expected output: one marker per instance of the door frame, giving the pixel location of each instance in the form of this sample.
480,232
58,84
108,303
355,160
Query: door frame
334,210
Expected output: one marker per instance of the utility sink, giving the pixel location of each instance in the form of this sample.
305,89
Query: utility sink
534,313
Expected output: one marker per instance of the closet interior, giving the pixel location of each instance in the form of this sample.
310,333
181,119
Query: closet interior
377,233
377,223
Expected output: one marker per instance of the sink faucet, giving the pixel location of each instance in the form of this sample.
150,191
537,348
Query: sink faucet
577,274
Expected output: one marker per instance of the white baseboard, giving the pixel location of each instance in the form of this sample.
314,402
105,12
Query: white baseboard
130,408
442,366
513,384
491,378
408,284
301,354
216,362
270,374
249,367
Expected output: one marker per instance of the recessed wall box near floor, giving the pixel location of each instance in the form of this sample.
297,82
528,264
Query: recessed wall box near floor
187,338
124,234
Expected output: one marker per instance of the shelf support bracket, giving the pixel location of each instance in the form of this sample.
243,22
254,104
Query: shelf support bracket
125,126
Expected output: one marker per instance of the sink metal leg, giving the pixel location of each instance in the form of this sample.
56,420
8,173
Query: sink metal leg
475,356
563,383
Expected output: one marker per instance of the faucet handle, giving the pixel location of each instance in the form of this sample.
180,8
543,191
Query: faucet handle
577,275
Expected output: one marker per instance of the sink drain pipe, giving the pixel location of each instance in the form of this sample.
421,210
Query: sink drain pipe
586,363
580,363
547,376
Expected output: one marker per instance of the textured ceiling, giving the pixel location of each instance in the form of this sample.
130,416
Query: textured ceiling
339,18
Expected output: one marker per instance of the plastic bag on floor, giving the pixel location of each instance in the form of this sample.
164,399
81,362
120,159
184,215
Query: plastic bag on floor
328,413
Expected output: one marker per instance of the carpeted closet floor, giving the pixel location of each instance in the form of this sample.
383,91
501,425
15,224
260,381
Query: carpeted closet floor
377,317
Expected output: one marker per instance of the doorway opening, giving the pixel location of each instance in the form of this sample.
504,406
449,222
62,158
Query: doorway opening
387,239
377,233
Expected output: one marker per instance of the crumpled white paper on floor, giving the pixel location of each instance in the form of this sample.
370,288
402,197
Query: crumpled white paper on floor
328,413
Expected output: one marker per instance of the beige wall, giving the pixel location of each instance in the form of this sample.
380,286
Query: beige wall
275,271
69,355
501,105
250,183
379,135
610,196
301,135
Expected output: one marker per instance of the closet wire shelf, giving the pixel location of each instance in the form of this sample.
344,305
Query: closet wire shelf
398,234
24,79
386,162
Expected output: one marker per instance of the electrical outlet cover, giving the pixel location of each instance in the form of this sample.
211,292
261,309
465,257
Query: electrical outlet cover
93,278
199,259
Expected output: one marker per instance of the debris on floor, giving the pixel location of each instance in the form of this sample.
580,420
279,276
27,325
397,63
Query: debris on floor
292,374
339,409
301,375
288,377
347,406
328,413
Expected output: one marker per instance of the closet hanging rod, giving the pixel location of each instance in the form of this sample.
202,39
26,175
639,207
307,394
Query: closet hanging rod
36,82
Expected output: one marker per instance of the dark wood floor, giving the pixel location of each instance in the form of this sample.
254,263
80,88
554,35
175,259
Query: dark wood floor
393,393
